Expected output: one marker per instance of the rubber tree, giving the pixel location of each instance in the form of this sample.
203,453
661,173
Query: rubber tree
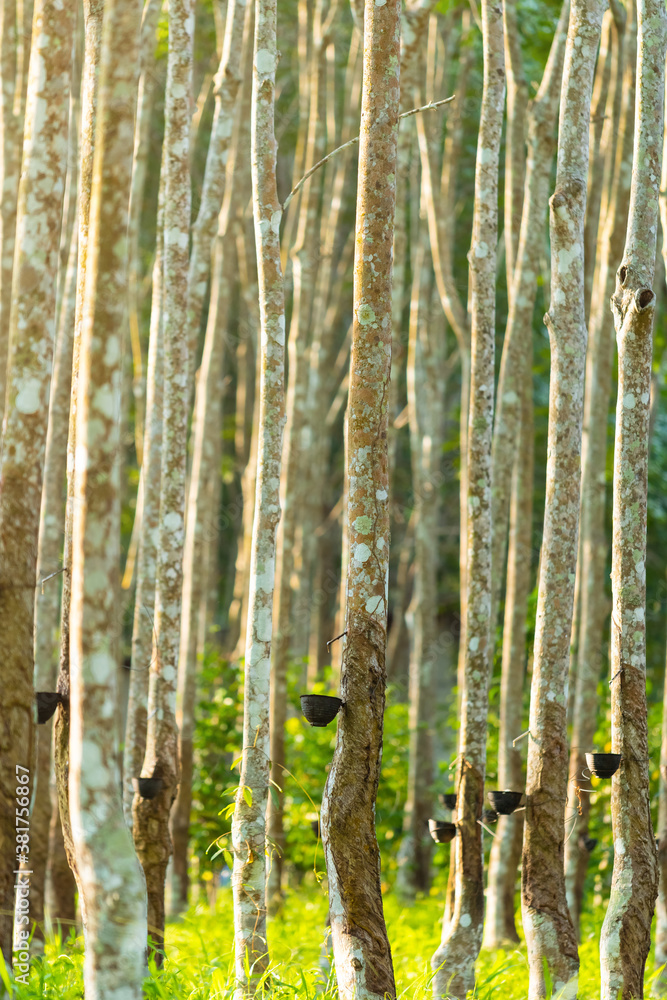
249,821
594,545
206,431
51,521
150,814
304,259
512,484
660,986
144,599
626,931
110,878
454,961
550,934
12,137
360,945
28,378
426,417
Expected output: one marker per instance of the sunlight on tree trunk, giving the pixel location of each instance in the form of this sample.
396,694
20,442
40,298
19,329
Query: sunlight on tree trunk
144,599
626,931
51,520
248,825
111,882
89,94
30,356
361,949
594,543
454,961
11,125
512,389
549,931
150,814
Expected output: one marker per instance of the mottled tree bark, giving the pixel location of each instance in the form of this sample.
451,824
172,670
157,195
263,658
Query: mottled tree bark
594,543
441,215
248,825
304,261
30,353
601,100
51,524
414,26
150,816
111,882
548,927
660,984
144,600
145,96
454,961
426,405
542,113
226,88
499,927
11,125
198,535
361,949
512,485
89,91
626,931
515,164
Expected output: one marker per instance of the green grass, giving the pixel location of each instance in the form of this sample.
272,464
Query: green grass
199,964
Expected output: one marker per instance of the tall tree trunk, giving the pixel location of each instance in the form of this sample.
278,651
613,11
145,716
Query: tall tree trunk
92,14
601,100
454,961
227,85
142,136
60,899
205,451
144,600
248,825
150,815
51,522
513,383
111,883
626,931
30,352
361,948
542,114
425,402
517,107
441,215
594,545
12,135
304,260
506,848
548,927
660,985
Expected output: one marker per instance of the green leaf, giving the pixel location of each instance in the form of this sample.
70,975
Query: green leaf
247,795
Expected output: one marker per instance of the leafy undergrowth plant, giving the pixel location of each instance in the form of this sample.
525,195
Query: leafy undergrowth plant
199,959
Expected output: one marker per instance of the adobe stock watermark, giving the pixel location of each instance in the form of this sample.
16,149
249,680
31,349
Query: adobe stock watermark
21,962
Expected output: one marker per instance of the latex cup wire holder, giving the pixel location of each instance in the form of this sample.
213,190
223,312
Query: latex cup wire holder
442,833
320,709
603,765
490,816
148,788
448,800
47,702
505,802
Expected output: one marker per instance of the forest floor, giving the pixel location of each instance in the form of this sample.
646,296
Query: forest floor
200,959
